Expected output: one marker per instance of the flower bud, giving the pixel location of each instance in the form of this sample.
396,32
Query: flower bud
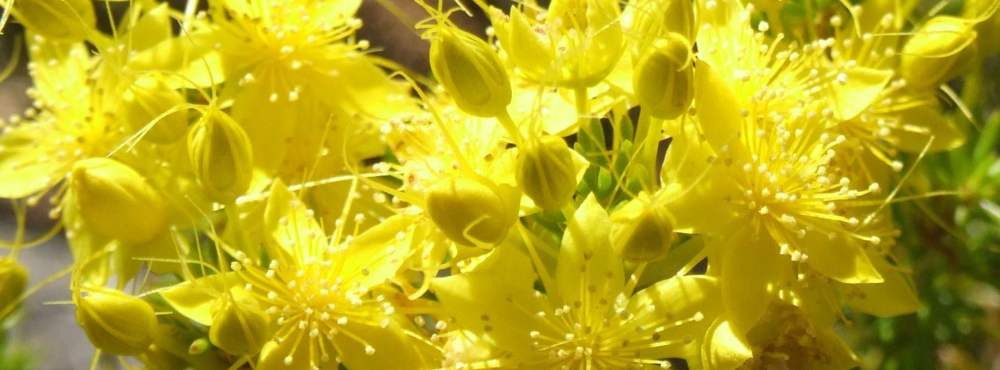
641,230
64,20
117,201
938,51
147,99
13,280
664,79
546,173
239,327
470,71
221,157
116,322
471,211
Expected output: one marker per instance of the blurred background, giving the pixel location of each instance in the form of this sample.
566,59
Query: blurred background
953,242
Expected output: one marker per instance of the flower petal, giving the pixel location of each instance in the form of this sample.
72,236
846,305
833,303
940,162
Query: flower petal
587,263
496,300
894,296
858,91
839,259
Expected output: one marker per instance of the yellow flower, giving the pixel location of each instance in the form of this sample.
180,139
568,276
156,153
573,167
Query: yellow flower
296,76
322,293
577,45
588,316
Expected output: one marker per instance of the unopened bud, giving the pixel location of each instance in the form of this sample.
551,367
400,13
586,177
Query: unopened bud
117,201
938,51
13,280
642,230
239,327
64,20
220,154
546,173
471,211
146,100
116,322
664,78
470,70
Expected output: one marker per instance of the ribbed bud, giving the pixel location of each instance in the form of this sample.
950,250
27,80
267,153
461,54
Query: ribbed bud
239,327
642,231
470,70
116,201
116,322
147,99
546,173
938,51
664,79
220,154
64,20
13,280
470,211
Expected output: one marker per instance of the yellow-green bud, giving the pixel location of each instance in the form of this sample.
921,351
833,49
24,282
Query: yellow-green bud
938,51
664,79
116,322
470,70
239,327
470,211
64,20
642,230
220,153
546,173
13,280
116,201
147,99
199,346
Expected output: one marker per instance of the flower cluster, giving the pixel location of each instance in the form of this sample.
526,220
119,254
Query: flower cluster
589,185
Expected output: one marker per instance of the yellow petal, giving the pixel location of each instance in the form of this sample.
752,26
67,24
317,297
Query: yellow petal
858,91
684,298
750,272
291,225
195,299
26,165
392,348
150,29
374,256
718,111
587,262
723,350
496,300
894,296
839,259
926,121
696,183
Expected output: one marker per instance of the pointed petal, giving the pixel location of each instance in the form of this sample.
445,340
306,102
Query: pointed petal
696,182
195,299
750,272
839,259
858,91
393,350
693,300
374,256
723,350
496,300
894,296
718,111
921,123
587,263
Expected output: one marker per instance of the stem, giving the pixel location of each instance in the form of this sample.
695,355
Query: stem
508,124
